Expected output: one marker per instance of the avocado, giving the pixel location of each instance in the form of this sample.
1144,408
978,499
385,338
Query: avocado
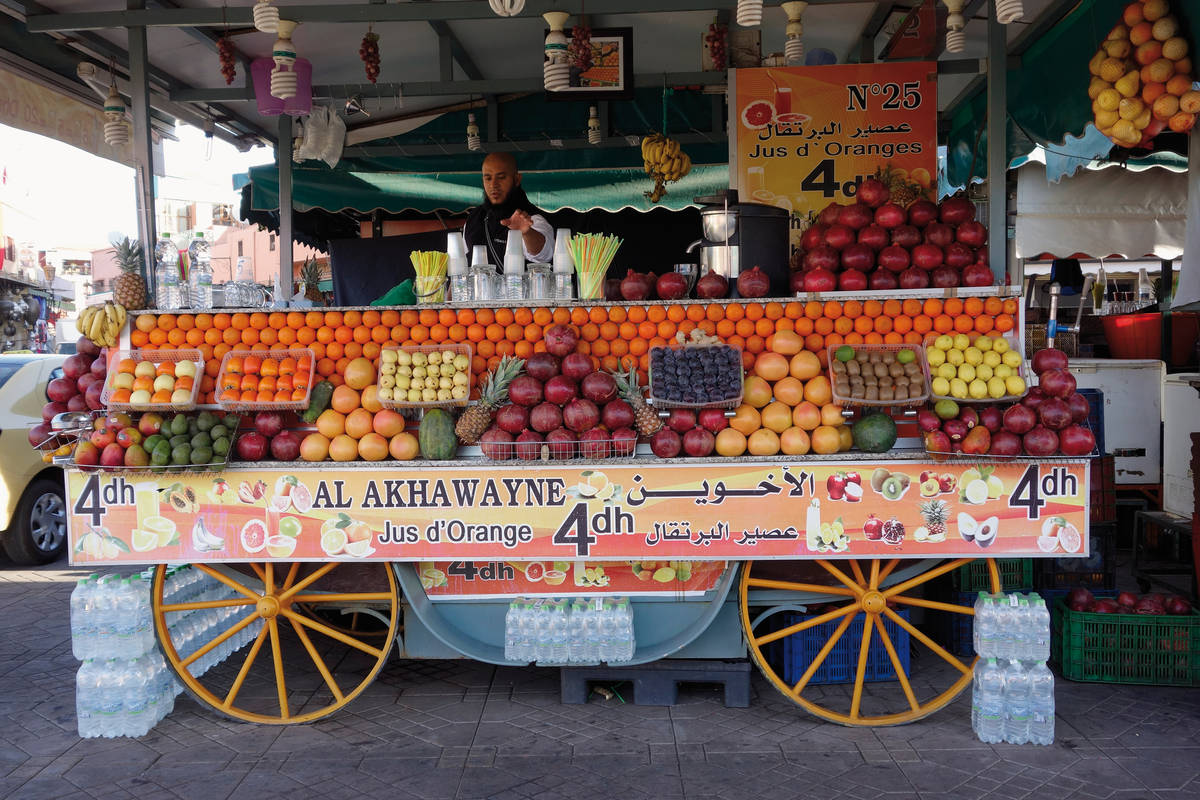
220,446
160,456
201,439
181,454
217,431
179,425
202,455
206,420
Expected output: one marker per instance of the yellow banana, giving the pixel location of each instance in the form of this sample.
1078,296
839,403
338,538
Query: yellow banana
79,321
110,313
672,148
96,327
120,314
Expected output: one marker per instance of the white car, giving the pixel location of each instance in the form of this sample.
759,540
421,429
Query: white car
33,511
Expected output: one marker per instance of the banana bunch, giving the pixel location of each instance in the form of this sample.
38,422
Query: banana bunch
663,161
102,324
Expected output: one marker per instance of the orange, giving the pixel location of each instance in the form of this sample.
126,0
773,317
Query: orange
953,306
446,316
883,324
139,338
794,310
754,311
932,307
735,312
712,312
597,315
823,326
229,336
943,323
675,313
250,336
1005,323
222,321
158,336
658,313
891,308
362,335
814,342
973,306
666,329
984,324
258,320
1011,306
695,313
600,348
993,306
922,324
911,307
380,334
785,324
833,309
627,331
268,336
872,308
902,324
964,324
744,327
765,327
648,330
419,334
774,310
804,326
204,321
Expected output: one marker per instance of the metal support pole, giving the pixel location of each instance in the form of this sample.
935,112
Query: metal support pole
143,145
997,150
283,157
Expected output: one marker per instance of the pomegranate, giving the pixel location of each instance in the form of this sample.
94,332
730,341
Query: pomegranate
633,287
875,237
921,213
76,366
595,443
61,390
51,410
545,417
1005,443
514,418
651,280
38,434
927,256
525,390
894,258
991,418
1107,606
823,257
666,443
85,346
581,415
712,286
100,365
560,340
252,446
972,234
617,414
599,387
612,288
883,279
753,283
796,282
1076,440
681,420
913,278
819,280
78,402
1040,442
1081,409
906,236
624,441
813,237
852,280
958,255
92,396
944,277
873,192
576,367
855,215
1080,599
1019,419
1054,413
698,442
840,236
268,423
1049,358
285,446
939,234
541,366
890,215
87,380
928,421
829,214
713,419
858,256
561,443
1057,383
1127,599
956,211
529,445
1034,398
1178,605
977,275
496,444
671,286
560,390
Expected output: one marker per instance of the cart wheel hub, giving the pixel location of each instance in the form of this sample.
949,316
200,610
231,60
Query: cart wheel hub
267,607
873,602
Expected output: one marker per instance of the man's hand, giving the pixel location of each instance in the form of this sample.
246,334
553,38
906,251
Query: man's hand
519,221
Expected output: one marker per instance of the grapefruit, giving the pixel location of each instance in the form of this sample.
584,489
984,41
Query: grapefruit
370,399
770,366
777,417
806,416
758,114
730,443
763,442
789,390
344,400
746,419
1069,538
373,447
360,373
818,390
756,391
388,423
315,447
535,571
281,502
359,423
403,447
786,343
825,440
343,448
805,365
302,499
794,442
254,536
331,423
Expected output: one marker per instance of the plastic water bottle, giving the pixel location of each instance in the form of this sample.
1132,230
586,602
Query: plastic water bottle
1006,634
1022,630
166,257
1041,704
135,699
1016,703
106,616
87,690
1040,625
201,273
127,643
560,648
607,630
591,633
512,633
985,627
624,645
990,726
83,618
108,700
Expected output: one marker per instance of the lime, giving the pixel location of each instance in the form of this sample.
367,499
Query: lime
290,526
844,353
905,356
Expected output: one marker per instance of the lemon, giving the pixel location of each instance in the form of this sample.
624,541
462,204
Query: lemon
996,388
940,386
947,371
333,541
1012,358
944,342
142,541
935,357
984,343
1002,371
966,372
109,550
359,549
1000,345
954,357
1014,384
958,388
973,355
978,389
992,359
983,372
962,341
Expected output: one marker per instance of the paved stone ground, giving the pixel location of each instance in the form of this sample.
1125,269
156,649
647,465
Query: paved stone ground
453,729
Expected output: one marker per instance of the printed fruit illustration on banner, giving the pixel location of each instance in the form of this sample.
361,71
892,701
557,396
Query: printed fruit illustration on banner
1142,77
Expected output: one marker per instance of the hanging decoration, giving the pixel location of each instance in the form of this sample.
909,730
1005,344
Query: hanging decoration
507,8
793,48
556,67
225,54
474,144
116,130
283,52
580,48
956,40
749,13
715,39
594,135
266,17
368,51
1009,11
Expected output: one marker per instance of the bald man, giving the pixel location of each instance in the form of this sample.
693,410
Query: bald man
506,207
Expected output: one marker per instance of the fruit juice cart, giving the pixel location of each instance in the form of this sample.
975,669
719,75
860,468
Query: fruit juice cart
337,563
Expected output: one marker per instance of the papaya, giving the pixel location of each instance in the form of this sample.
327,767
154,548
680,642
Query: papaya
436,435
318,401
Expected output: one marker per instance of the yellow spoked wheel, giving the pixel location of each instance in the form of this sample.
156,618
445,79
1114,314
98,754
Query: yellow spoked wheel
311,668
864,593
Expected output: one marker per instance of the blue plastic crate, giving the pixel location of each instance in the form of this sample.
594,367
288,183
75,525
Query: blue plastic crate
1095,399
841,664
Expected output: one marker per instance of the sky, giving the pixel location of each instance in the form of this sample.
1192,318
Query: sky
69,198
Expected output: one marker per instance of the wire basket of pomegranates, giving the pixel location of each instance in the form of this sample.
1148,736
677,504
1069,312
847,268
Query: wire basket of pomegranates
974,367
1016,430
695,375
425,376
877,375
560,444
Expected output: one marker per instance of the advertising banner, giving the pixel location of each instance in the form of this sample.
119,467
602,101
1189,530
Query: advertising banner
450,580
584,512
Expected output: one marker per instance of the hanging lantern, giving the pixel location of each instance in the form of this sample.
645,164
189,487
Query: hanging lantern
793,49
473,142
749,13
956,40
507,8
1009,11
594,135
556,68
266,17
296,106
116,131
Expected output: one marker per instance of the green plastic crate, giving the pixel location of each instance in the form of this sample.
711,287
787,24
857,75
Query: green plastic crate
1160,650
1016,574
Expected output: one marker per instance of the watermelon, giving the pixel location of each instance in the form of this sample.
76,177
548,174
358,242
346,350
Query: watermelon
436,436
874,433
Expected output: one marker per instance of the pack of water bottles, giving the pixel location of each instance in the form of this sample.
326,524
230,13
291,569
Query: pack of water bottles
1013,689
580,631
124,686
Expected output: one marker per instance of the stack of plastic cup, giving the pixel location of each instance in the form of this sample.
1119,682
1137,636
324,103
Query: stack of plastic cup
514,267
564,267
456,268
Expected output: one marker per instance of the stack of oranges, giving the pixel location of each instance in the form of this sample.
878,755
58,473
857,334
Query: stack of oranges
257,377
609,334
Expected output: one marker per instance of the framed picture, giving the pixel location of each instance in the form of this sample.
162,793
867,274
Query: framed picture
611,75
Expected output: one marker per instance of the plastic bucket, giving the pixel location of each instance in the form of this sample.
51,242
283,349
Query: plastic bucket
1140,336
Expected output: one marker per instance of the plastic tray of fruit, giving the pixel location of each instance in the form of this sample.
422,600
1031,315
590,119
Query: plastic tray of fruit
164,450
846,362
1015,363
565,449
403,367
265,380
171,382
718,386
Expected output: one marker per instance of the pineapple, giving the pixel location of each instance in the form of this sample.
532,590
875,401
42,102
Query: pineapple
934,513
493,394
904,192
129,288
645,417
310,275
